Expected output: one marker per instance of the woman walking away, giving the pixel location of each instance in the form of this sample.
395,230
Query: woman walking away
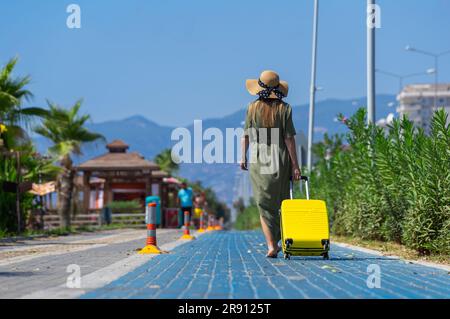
269,132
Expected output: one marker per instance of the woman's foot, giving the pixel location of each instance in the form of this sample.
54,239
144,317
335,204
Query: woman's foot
273,253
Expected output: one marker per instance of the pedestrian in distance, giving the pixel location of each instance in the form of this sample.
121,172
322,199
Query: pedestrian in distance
184,199
270,134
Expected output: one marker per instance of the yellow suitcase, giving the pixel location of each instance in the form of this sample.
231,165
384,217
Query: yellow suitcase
304,226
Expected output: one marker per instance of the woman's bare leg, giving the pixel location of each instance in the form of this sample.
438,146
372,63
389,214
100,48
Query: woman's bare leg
272,246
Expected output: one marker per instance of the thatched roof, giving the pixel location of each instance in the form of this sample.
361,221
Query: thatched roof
118,159
117,145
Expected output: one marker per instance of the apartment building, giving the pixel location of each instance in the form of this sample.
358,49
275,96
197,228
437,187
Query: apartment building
417,101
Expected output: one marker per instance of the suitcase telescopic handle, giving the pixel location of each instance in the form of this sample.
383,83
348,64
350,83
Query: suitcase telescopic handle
291,188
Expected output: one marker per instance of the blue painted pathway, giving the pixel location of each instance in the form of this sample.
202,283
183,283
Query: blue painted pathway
233,265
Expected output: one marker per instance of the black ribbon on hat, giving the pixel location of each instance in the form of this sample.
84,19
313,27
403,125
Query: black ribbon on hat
268,90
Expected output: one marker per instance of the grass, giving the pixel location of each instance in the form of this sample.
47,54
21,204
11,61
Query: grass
392,249
249,219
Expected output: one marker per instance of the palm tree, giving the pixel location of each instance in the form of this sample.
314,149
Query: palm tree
165,162
14,122
65,128
12,93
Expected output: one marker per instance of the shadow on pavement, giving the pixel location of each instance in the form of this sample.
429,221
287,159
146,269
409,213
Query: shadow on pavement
17,274
298,258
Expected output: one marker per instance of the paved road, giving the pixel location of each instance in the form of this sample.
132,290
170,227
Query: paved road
232,265
93,251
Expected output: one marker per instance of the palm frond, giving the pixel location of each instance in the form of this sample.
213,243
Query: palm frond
65,128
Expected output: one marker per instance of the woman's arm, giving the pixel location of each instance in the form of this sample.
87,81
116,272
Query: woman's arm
292,149
244,147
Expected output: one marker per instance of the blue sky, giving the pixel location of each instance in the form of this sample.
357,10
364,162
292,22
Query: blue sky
174,61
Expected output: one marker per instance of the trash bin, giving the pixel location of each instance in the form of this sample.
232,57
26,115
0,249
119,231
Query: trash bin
157,200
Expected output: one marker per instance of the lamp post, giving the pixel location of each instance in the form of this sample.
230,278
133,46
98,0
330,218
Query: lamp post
436,57
313,88
401,78
371,62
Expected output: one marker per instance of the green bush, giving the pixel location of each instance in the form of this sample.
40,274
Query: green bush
8,213
34,169
124,205
248,218
391,186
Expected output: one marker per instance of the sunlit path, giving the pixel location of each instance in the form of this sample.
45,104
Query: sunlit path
233,265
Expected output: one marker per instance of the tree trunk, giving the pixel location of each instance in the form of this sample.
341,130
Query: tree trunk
65,191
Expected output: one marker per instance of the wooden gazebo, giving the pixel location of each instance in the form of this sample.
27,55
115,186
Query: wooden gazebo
125,175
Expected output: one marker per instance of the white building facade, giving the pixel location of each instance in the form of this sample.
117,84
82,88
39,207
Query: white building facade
417,101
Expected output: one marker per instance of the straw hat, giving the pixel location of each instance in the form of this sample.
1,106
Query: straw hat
268,85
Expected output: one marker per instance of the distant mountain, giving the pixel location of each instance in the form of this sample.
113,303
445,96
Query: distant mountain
143,136
149,138
324,117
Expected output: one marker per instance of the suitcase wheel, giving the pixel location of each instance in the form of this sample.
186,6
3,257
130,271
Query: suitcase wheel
288,242
287,256
326,244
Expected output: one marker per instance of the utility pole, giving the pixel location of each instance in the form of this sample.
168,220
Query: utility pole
436,57
312,92
401,78
371,25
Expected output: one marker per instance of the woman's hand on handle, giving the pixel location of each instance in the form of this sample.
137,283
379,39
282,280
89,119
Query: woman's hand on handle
296,173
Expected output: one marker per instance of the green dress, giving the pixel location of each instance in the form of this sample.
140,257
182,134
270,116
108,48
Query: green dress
270,185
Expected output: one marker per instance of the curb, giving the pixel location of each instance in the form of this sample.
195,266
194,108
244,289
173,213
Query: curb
378,253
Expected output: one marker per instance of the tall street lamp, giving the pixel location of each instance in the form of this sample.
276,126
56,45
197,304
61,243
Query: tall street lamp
371,25
436,57
401,78
313,88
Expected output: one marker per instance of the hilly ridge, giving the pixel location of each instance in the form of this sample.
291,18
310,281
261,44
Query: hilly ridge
149,138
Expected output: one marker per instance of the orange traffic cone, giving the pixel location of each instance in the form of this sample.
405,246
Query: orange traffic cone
186,233
218,225
210,225
150,218
201,227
